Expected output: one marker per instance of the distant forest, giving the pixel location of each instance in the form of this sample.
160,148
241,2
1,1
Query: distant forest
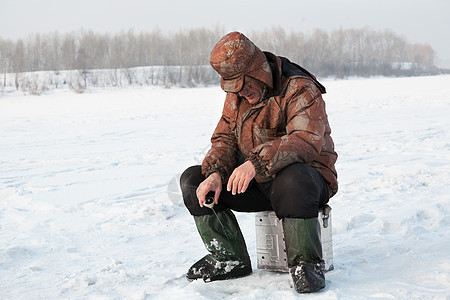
184,55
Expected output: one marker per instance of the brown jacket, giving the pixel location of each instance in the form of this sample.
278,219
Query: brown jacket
288,126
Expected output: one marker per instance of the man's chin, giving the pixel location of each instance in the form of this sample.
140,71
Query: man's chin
252,100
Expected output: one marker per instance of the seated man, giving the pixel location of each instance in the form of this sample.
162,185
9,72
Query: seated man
271,150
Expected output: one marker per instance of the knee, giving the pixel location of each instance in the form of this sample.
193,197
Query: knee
294,178
191,177
294,193
189,182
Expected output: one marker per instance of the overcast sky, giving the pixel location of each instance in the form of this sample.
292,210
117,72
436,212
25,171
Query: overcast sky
417,20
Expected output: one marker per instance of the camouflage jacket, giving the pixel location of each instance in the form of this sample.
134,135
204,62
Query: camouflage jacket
290,125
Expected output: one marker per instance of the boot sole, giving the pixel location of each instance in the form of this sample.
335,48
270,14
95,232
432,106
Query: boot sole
240,273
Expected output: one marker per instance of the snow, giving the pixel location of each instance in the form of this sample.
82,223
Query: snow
89,208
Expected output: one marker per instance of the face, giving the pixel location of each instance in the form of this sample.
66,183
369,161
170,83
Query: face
252,90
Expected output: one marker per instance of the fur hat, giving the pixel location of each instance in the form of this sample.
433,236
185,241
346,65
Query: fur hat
234,57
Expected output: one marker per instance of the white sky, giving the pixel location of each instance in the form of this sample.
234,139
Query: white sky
417,20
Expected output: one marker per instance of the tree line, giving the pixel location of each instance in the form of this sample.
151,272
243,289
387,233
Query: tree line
184,55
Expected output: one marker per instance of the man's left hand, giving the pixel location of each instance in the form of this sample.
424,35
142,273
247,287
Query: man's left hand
241,177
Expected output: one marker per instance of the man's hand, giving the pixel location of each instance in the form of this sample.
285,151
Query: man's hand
212,183
241,177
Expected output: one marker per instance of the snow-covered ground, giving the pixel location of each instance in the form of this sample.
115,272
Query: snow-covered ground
88,208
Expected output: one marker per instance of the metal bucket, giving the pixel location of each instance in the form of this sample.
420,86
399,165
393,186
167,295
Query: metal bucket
270,245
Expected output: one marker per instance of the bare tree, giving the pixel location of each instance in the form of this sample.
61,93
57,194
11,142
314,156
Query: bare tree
19,61
68,52
6,54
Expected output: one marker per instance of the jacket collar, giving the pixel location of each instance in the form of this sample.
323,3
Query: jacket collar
277,75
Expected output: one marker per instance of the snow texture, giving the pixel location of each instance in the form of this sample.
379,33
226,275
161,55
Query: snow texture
90,208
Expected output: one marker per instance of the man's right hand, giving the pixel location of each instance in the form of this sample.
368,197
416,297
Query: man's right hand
212,183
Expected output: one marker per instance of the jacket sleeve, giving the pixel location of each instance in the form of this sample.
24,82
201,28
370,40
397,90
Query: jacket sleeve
222,157
305,128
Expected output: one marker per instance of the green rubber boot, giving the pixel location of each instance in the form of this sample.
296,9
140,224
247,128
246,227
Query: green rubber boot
304,252
228,257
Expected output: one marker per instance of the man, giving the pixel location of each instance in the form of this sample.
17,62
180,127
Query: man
271,150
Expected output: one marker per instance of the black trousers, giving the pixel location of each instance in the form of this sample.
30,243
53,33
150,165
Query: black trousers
297,191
